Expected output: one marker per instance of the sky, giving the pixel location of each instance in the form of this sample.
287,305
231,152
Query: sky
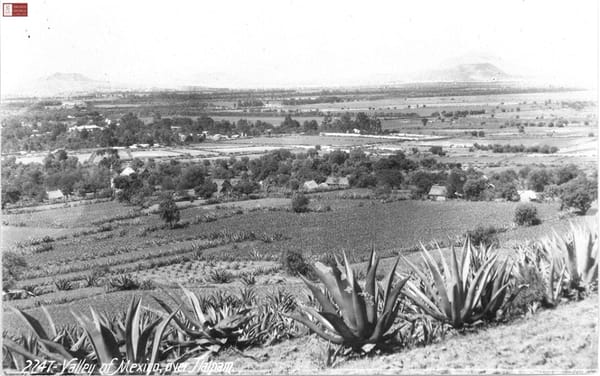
288,43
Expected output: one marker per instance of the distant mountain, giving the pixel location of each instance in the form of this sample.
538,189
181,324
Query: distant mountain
474,72
60,84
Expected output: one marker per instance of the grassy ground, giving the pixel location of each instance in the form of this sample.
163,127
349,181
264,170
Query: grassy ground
563,340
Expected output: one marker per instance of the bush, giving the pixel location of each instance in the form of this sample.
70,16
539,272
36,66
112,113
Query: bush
294,263
300,203
438,150
526,215
12,266
483,235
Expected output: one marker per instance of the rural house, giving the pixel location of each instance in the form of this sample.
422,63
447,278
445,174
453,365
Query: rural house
127,171
528,196
337,182
55,195
437,193
310,185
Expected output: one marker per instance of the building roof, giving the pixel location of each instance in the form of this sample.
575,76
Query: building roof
86,127
127,171
438,190
527,195
54,195
310,184
332,180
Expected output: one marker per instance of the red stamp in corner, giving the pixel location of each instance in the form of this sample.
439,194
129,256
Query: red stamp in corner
14,9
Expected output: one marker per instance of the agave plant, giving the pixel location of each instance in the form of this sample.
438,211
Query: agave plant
141,344
546,265
208,327
501,275
134,344
578,250
458,294
351,315
40,344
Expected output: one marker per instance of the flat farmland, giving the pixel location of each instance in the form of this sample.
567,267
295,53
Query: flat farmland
274,120
448,103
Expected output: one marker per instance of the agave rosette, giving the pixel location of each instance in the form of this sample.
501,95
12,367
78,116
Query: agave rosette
351,315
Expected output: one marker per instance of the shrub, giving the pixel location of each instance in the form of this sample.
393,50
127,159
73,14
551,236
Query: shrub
526,215
438,150
483,236
294,263
12,266
300,203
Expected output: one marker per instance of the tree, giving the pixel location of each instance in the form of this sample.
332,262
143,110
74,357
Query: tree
168,211
191,177
538,179
423,180
474,188
424,121
246,187
389,177
300,202
206,189
579,194
455,182
226,188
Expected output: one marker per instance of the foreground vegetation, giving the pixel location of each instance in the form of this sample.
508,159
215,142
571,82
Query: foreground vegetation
477,290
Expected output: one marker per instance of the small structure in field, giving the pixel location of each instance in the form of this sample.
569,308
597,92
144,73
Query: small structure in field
55,195
337,182
437,193
127,171
310,185
528,196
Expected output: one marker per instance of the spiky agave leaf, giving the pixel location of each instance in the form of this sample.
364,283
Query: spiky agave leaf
49,348
459,288
103,342
351,316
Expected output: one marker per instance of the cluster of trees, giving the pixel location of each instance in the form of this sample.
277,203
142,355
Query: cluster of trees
250,102
454,115
497,148
282,169
20,135
315,100
57,172
346,123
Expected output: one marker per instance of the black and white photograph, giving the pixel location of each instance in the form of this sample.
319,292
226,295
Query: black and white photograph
299,187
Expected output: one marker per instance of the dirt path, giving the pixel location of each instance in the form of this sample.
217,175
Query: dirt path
564,340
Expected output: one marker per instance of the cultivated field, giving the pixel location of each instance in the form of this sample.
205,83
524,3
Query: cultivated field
100,254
